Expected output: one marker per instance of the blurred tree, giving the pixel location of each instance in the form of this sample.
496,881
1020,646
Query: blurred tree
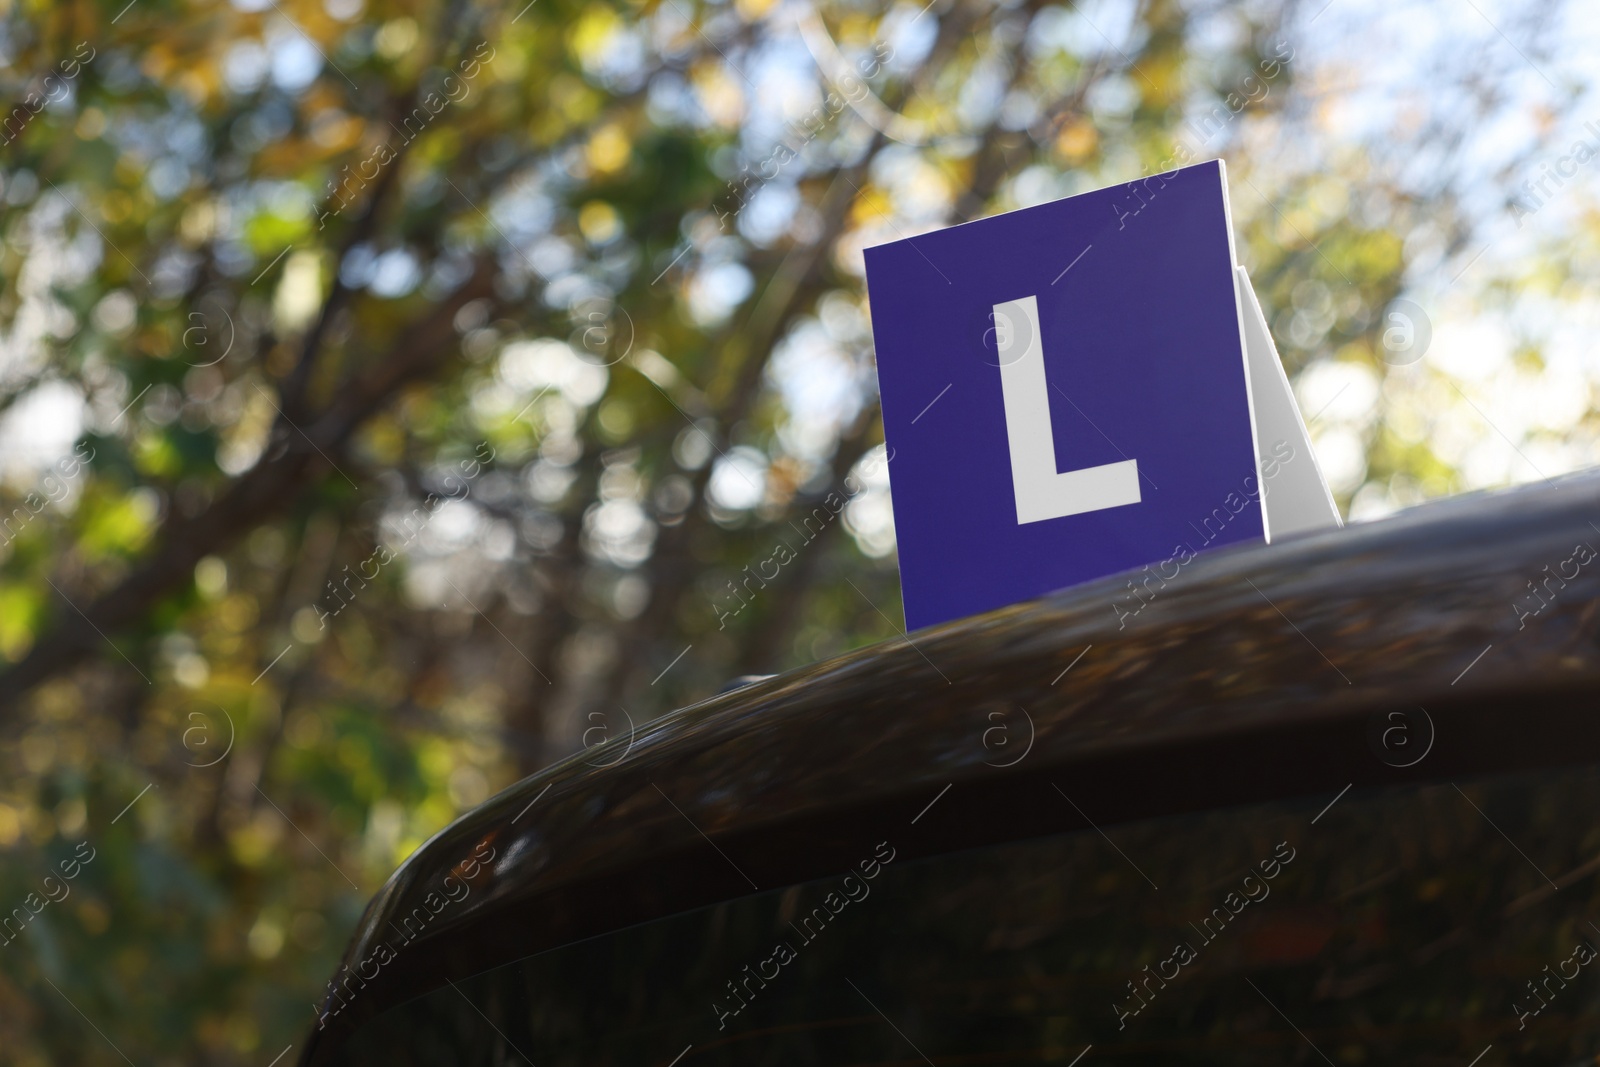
417,392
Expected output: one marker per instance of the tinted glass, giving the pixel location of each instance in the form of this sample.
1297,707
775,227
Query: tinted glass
1419,925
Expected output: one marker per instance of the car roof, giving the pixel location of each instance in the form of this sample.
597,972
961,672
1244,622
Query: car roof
1239,675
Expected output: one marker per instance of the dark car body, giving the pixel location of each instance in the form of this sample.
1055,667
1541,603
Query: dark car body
1329,800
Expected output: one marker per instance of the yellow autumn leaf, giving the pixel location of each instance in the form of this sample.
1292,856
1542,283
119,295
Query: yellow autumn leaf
609,149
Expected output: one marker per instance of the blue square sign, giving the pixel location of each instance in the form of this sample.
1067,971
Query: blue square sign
1064,393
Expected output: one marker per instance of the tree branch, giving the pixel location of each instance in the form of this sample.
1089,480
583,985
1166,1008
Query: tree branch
297,459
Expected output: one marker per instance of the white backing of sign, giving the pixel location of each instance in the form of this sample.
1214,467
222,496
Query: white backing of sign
1294,494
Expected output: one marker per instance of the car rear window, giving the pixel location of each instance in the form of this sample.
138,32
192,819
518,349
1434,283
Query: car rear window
1450,923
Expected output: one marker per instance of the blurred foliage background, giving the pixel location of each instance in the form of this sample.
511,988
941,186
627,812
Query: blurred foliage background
393,392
